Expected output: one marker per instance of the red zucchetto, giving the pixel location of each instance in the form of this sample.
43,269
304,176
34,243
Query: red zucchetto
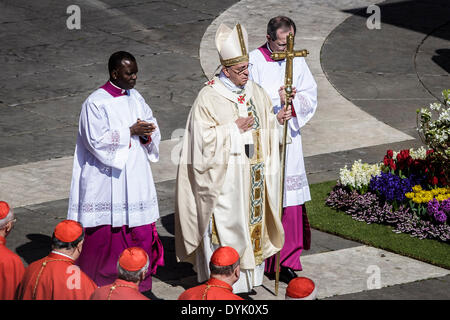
133,259
301,288
224,256
68,231
4,209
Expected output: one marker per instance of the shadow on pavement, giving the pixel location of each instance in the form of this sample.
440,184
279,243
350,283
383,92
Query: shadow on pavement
247,295
37,248
417,15
168,223
442,59
432,18
172,271
149,294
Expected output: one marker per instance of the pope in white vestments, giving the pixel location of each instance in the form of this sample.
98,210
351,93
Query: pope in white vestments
113,194
228,176
270,75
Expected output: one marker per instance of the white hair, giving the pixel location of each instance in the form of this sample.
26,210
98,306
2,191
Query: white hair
132,276
9,217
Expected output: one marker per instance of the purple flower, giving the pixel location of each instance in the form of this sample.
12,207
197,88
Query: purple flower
391,187
445,205
371,209
440,216
439,211
433,207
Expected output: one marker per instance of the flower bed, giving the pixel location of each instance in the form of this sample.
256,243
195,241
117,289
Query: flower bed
408,191
410,188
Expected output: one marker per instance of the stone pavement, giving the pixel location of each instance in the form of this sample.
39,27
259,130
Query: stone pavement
370,83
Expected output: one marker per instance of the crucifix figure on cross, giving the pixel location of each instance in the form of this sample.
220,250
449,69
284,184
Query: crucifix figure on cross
289,55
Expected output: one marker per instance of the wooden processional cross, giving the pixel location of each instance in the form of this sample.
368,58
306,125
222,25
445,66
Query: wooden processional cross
289,55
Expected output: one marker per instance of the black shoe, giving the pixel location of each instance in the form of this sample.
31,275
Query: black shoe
287,274
270,275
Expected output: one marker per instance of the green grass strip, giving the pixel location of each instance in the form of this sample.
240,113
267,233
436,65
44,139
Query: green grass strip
324,218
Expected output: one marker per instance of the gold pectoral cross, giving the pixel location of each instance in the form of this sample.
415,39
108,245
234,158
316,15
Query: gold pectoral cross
289,55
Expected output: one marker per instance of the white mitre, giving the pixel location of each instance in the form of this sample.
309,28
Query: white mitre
232,45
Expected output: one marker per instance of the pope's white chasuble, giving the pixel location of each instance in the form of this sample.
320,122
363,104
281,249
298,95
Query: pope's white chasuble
227,182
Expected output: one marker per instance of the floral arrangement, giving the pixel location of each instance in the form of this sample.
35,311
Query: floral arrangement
433,126
408,190
359,176
418,195
419,163
439,211
391,187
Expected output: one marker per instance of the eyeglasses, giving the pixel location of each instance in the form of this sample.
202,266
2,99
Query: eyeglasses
242,70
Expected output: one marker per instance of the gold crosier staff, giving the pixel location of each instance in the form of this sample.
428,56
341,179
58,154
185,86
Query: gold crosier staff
289,55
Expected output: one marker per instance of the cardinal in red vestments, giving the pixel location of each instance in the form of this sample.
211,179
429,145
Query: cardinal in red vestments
11,266
225,271
131,268
56,277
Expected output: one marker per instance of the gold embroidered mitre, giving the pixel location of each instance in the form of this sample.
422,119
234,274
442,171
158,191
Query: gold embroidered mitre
232,45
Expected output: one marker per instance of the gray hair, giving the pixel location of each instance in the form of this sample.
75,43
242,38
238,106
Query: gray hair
224,270
9,217
132,276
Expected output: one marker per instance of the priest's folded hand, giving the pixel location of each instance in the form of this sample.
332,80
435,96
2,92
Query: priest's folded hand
142,128
245,123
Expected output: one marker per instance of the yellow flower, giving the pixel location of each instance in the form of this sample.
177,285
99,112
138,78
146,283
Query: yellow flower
417,200
409,195
436,191
424,194
417,188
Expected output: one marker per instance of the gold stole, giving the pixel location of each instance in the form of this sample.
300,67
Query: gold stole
257,185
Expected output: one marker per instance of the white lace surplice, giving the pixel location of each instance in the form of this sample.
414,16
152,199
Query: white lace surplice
112,182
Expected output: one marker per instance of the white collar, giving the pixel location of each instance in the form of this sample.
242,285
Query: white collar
239,96
228,83
62,254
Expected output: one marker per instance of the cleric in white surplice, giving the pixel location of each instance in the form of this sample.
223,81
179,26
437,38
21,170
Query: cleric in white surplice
269,74
113,193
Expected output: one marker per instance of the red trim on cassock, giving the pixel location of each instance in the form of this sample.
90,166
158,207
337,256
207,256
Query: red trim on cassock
266,53
147,141
294,115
